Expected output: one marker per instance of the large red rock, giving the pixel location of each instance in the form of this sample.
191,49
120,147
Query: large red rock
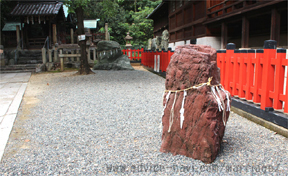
203,126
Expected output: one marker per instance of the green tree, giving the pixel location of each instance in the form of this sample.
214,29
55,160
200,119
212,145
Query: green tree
6,8
109,11
142,28
77,6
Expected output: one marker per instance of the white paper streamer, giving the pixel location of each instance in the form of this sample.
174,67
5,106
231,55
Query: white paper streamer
172,113
227,97
182,109
217,98
167,98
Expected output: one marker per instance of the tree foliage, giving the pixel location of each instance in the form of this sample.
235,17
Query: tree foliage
124,16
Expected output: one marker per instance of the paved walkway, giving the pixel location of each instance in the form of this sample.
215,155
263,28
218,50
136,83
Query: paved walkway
108,124
12,88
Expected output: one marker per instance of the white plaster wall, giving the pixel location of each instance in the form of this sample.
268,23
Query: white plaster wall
172,46
187,42
214,42
179,43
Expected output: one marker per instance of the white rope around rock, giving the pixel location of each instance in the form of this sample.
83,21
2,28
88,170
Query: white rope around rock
216,93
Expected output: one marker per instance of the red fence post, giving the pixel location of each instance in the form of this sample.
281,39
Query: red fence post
165,59
235,72
279,78
221,64
143,56
162,61
258,76
242,76
229,58
249,74
268,73
151,59
170,53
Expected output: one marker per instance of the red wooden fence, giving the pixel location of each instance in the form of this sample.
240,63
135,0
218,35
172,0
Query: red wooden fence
133,54
158,60
256,75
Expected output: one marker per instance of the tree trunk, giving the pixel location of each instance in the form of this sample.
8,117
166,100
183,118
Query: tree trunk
84,66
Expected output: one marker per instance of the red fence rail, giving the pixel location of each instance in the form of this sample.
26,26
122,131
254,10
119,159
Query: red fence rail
133,54
256,75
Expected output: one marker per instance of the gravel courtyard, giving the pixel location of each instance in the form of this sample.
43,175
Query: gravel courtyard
108,123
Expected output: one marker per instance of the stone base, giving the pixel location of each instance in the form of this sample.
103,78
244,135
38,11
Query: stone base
121,63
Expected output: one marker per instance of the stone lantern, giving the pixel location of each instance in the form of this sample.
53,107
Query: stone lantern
128,39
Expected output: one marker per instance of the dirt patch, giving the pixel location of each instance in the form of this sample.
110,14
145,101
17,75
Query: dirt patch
37,85
139,67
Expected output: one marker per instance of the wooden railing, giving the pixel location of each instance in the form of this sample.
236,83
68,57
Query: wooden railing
68,53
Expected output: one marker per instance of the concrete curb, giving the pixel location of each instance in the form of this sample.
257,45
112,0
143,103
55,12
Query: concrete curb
278,129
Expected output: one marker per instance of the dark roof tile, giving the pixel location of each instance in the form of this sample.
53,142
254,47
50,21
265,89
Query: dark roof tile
23,9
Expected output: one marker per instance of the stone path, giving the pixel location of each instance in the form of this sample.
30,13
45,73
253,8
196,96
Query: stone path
108,124
12,88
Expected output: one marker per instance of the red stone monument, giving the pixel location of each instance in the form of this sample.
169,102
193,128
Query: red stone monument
196,108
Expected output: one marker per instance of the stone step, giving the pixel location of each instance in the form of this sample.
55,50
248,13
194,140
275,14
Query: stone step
21,66
29,61
30,53
17,71
29,58
18,68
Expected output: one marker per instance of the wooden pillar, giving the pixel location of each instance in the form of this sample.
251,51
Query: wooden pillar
72,35
50,39
54,34
55,55
275,26
61,61
44,59
224,34
22,35
106,32
245,33
18,36
94,54
50,55
26,35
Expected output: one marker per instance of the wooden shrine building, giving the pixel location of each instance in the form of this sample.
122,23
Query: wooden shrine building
43,23
247,23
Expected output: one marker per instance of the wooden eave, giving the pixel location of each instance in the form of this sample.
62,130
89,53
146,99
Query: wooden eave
239,11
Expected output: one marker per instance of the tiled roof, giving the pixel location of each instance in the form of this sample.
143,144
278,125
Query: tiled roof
24,9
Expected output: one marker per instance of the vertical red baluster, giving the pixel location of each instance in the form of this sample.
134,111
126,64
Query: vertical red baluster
258,76
242,74
279,78
235,82
268,73
221,64
229,57
249,74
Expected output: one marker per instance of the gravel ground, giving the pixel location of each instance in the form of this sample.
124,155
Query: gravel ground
108,124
